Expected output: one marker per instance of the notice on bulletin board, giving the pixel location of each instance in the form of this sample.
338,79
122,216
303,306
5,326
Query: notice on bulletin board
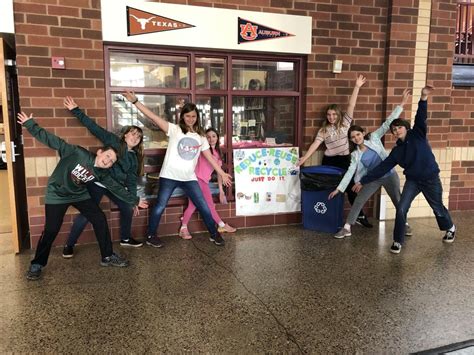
266,181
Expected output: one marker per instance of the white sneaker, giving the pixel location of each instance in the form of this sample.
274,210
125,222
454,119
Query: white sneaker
343,232
396,248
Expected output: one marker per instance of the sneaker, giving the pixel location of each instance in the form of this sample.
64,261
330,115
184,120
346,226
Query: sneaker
184,233
114,260
227,228
154,241
449,237
396,248
34,272
217,239
363,221
130,242
408,231
343,232
68,252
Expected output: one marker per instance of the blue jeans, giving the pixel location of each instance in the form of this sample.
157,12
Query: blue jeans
97,192
192,190
433,192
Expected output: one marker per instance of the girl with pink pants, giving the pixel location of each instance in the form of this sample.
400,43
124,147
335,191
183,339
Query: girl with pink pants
203,173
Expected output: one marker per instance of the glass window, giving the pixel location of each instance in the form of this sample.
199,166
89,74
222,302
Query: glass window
165,106
210,73
263,75
261,121
145,70
258,100
212,111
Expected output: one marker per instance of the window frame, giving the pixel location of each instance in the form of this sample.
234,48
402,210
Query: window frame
228,92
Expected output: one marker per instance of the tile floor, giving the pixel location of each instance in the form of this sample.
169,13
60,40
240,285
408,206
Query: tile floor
269,290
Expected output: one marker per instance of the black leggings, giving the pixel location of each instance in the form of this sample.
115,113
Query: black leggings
54,220
343,162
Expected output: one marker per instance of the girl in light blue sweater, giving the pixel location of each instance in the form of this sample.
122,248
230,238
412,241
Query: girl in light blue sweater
369,152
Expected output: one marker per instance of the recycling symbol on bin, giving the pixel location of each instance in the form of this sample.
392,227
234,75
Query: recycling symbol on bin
320,207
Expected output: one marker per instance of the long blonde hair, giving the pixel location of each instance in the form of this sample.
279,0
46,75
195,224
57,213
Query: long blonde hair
339,122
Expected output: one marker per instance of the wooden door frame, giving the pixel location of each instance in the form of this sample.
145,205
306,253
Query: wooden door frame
13,203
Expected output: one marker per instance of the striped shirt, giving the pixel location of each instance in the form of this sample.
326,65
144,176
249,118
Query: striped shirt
336,141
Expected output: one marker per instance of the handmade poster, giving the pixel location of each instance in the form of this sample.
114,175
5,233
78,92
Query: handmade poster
266,181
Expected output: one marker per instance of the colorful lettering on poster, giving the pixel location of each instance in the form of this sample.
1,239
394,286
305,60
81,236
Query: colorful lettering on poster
264,153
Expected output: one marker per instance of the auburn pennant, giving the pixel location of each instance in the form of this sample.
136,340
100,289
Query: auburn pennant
250,31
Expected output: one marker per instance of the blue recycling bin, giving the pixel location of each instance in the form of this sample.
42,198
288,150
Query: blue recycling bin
319,213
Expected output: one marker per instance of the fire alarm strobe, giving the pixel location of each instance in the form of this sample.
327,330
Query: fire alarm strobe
58,63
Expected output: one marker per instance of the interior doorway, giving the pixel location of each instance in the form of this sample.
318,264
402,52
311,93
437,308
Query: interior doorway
14,235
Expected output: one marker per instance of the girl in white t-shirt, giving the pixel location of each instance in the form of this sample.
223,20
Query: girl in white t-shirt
186,142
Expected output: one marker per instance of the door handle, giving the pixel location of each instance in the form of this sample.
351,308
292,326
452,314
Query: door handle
4,151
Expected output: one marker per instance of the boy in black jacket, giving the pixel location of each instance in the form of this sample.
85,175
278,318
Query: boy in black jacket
413,153
67,186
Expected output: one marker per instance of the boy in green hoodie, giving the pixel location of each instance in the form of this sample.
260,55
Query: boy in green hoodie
67,187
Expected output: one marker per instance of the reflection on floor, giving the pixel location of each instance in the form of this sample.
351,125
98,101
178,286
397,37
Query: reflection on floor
280,289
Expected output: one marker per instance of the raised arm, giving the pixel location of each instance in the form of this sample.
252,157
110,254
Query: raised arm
355,93
45,137
106,137
422,112
159,121
393,116
226,178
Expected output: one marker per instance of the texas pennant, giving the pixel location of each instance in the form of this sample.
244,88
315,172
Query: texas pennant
140,22
251,31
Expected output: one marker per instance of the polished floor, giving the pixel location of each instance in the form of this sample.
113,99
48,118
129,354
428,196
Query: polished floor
269,290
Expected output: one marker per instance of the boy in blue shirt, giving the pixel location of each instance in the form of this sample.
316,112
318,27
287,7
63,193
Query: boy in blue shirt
413,153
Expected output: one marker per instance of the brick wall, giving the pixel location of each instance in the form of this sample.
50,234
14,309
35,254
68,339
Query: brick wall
367,35
70,29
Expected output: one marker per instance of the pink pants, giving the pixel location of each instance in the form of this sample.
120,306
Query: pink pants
206,192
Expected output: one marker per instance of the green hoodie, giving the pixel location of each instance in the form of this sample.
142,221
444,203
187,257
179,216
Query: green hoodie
125,170
75,168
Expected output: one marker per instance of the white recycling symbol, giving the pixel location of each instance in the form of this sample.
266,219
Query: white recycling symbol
320,207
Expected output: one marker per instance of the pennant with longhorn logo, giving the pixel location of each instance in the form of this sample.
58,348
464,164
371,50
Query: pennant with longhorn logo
140,22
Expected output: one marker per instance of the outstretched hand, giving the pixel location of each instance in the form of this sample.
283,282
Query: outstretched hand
130,96
69,103
333,194
23,117
405,97
357,187
143,204
226,179
300,162
360,81
427,90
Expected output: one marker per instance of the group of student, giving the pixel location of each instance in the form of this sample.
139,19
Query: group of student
81,178
369,167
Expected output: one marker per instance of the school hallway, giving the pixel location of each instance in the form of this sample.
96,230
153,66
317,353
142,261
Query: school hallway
269,290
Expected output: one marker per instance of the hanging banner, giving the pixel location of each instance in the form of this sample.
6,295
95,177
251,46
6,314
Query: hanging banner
266,181
158,23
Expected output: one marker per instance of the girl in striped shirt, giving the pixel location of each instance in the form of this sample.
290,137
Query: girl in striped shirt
333,133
